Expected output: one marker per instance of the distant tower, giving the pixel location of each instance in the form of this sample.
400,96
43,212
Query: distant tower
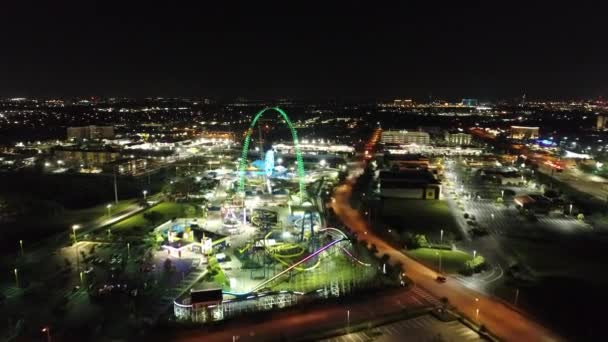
523,100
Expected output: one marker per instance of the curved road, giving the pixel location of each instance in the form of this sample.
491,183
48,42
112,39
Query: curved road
503,321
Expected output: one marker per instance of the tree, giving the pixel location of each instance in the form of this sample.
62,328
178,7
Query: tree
420,241
153,216
185,186
373,248
167,265
444,302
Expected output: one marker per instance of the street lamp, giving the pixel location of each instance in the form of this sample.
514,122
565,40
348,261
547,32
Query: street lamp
441,237
47,330
474,254
74,227
570,209
145,192
502,194
21,246
347,317
16,271
109,206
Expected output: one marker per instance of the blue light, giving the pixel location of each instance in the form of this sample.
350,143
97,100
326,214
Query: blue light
269,162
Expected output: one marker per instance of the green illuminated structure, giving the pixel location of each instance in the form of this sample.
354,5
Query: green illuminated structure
296,144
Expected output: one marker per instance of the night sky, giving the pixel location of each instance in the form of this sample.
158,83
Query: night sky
303,49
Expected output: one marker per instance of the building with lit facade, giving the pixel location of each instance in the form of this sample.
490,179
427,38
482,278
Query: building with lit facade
90,132
87,157
524,132
601,122
458,138
405,137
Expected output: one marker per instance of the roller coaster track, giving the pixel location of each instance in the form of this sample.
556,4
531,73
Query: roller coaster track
295,265
317,252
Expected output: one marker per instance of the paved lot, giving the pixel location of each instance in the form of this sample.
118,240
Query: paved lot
423,328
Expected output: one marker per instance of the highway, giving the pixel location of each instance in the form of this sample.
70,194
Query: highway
501,320
593,185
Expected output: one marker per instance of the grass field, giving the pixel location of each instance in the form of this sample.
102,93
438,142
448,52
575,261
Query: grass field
419,216
168,210
451,261
96,212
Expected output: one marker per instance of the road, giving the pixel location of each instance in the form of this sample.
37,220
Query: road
593,185
503,321
297,322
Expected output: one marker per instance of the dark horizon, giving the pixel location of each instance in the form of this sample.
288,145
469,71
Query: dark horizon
305,50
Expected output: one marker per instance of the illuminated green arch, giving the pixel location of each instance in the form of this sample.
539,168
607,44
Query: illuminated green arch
296,144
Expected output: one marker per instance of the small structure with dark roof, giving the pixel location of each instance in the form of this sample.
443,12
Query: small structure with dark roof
414,184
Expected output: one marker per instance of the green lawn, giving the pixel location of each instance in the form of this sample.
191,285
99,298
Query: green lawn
419,217
451,261
96,212
168,210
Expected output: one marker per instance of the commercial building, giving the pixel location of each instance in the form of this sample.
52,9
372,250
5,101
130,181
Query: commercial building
405,137
601,122
469,102
411,184
458,138
398,162
535,203
87,157
90,132
502,175
127,166
524,132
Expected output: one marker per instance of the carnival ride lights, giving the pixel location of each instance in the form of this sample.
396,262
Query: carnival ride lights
230,221
294,134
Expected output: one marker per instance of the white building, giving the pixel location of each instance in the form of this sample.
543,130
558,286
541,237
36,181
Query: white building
458,138
405,137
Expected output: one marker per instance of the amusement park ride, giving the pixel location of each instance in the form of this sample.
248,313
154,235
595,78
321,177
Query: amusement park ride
284,235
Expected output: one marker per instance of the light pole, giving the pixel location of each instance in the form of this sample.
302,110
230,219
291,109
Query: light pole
21,246
109,206
474,254
47,331
502,194
128,250
570,209
347,318
74,227
441,236
16,277
145,192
